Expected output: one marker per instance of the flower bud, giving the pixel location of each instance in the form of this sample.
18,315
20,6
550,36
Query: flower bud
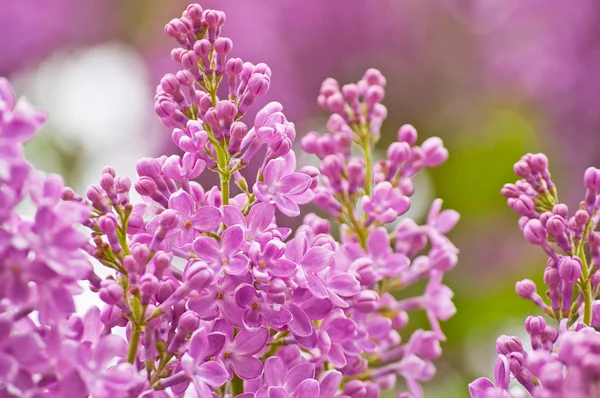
434,151
591,179
569,268
407,133
197,275
366,301
534,232
525,289
111,292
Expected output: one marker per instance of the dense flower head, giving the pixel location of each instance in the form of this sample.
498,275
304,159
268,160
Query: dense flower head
214,298
563,360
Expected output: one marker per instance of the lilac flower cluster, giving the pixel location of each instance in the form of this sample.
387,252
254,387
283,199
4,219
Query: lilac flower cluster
565,360
207,295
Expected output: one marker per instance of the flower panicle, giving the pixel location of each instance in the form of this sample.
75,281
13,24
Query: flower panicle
211,293
564,358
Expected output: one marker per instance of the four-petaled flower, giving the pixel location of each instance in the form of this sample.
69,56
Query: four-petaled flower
225,255
284,188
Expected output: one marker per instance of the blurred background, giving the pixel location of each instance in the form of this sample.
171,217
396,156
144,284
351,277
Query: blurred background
495,79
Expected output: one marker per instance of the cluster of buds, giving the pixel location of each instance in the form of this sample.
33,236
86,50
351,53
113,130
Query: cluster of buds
206,294
564,361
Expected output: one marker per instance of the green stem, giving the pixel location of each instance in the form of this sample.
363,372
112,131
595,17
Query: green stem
224,188
587,304
133,343
237,385
161,366
586,287
369,165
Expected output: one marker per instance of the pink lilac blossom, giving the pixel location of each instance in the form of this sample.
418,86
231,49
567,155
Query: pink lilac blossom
564,360
212,296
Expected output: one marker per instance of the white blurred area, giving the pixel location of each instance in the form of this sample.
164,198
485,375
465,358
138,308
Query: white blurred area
99,102
100,112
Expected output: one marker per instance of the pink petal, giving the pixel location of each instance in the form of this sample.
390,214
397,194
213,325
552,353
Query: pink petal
216,341
316,287
249,343
287,206
298,374
247,368
274,371
110,346
183,203
252,319
277,392
341,329
303,198
207,218
274,171
336,356
308,342
316,309
233,216
237,265
212,373
203,305
232,239
307,389
479,388
344,284
294,184
277,318
378,243
259,218
446,221
330,383
283,268
300,324
316,259
198,346
208,249
245,295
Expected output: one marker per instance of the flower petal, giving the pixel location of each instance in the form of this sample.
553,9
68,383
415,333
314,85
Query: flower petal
277,392
274,371
287,206
232,216
341,329
294,184
277,318
207,249
237,265
330,383
344,284
216,341
207,218
232,239
378,243
298,374
316,287
246,367
259,218
203,305
283,268
479,388
316,259
212,373
249,343
274,171
307,389
245,295
198,346
300,324
183,203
